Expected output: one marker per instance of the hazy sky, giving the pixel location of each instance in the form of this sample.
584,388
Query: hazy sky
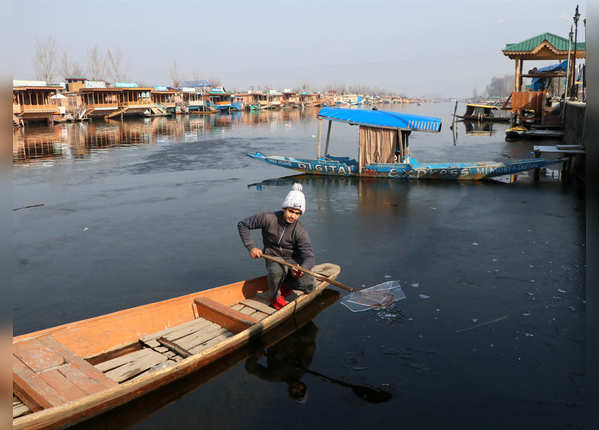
418,47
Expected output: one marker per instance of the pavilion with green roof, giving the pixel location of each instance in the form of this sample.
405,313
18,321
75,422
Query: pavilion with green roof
546,46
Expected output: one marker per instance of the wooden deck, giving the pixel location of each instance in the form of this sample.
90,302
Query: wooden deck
48,374
566,151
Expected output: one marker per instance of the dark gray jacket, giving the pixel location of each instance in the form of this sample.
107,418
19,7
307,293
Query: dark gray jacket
290,241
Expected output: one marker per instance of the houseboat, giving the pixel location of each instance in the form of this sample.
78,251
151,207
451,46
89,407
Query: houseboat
290,99
194,100
164,101
221,100
133,100
100,102
31,102
274,99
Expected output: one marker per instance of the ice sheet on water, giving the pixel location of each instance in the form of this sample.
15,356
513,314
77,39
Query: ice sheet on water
355,301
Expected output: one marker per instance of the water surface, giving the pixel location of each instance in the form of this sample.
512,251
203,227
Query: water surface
489,336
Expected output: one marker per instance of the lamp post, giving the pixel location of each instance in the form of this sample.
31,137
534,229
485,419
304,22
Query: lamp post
576,17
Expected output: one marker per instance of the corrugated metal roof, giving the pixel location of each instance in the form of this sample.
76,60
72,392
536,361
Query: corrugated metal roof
560,43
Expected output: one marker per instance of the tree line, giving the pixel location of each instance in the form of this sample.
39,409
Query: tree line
51,62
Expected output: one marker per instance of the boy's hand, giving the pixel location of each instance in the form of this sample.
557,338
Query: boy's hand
296,272
255,253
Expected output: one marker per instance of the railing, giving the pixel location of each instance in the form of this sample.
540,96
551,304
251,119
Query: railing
113,105
39,109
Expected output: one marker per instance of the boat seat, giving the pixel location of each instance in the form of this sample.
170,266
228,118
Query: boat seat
48,374
225,316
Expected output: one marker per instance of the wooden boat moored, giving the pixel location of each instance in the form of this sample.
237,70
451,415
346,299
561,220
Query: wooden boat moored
477,112
520,132
384,151
69,373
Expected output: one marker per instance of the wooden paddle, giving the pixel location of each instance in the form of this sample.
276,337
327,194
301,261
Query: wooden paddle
309,272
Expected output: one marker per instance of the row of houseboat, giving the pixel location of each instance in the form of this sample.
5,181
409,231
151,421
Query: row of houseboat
80,99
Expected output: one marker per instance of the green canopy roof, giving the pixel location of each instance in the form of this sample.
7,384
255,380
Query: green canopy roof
560,43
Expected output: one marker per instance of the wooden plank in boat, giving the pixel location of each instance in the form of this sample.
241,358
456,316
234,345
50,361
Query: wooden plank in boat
259,315
258,305
19,409
167,363
200,323
129,370
190,342
55,379
123,359
237,306
37,356
176,332
32,389
39,380
211,342
247,310
82,379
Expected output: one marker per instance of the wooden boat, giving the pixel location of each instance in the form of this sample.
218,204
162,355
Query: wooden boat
69,373
384,151
519,132
477,112
141,408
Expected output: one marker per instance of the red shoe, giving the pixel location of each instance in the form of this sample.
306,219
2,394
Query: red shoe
278,303
285,291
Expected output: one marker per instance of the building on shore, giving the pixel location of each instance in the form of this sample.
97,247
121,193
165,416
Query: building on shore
535,101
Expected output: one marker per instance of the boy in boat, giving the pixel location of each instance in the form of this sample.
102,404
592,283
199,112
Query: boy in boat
285,237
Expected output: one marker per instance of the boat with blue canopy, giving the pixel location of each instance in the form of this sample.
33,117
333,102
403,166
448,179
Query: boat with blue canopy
384,151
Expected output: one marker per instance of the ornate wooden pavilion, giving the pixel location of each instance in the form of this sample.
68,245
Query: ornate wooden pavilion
546,46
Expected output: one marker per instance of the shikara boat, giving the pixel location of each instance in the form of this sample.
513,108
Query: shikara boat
67,374
384,151
519,132
477,112
141,408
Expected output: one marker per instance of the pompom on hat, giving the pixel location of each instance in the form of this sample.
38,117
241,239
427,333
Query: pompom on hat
295,199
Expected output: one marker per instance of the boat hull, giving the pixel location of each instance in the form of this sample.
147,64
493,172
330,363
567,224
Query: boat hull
343,166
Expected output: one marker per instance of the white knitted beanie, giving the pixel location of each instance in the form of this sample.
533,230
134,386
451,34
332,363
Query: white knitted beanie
295,199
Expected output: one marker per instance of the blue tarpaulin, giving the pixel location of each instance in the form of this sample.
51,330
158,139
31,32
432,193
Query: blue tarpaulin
539,83
380,118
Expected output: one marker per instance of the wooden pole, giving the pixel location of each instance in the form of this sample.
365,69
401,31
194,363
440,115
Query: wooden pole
326,149
319,134
520,75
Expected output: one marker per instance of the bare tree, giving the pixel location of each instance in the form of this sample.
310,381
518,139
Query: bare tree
65,65
174,75
96,65
305,86
77,70
44,59
114,65
215,82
